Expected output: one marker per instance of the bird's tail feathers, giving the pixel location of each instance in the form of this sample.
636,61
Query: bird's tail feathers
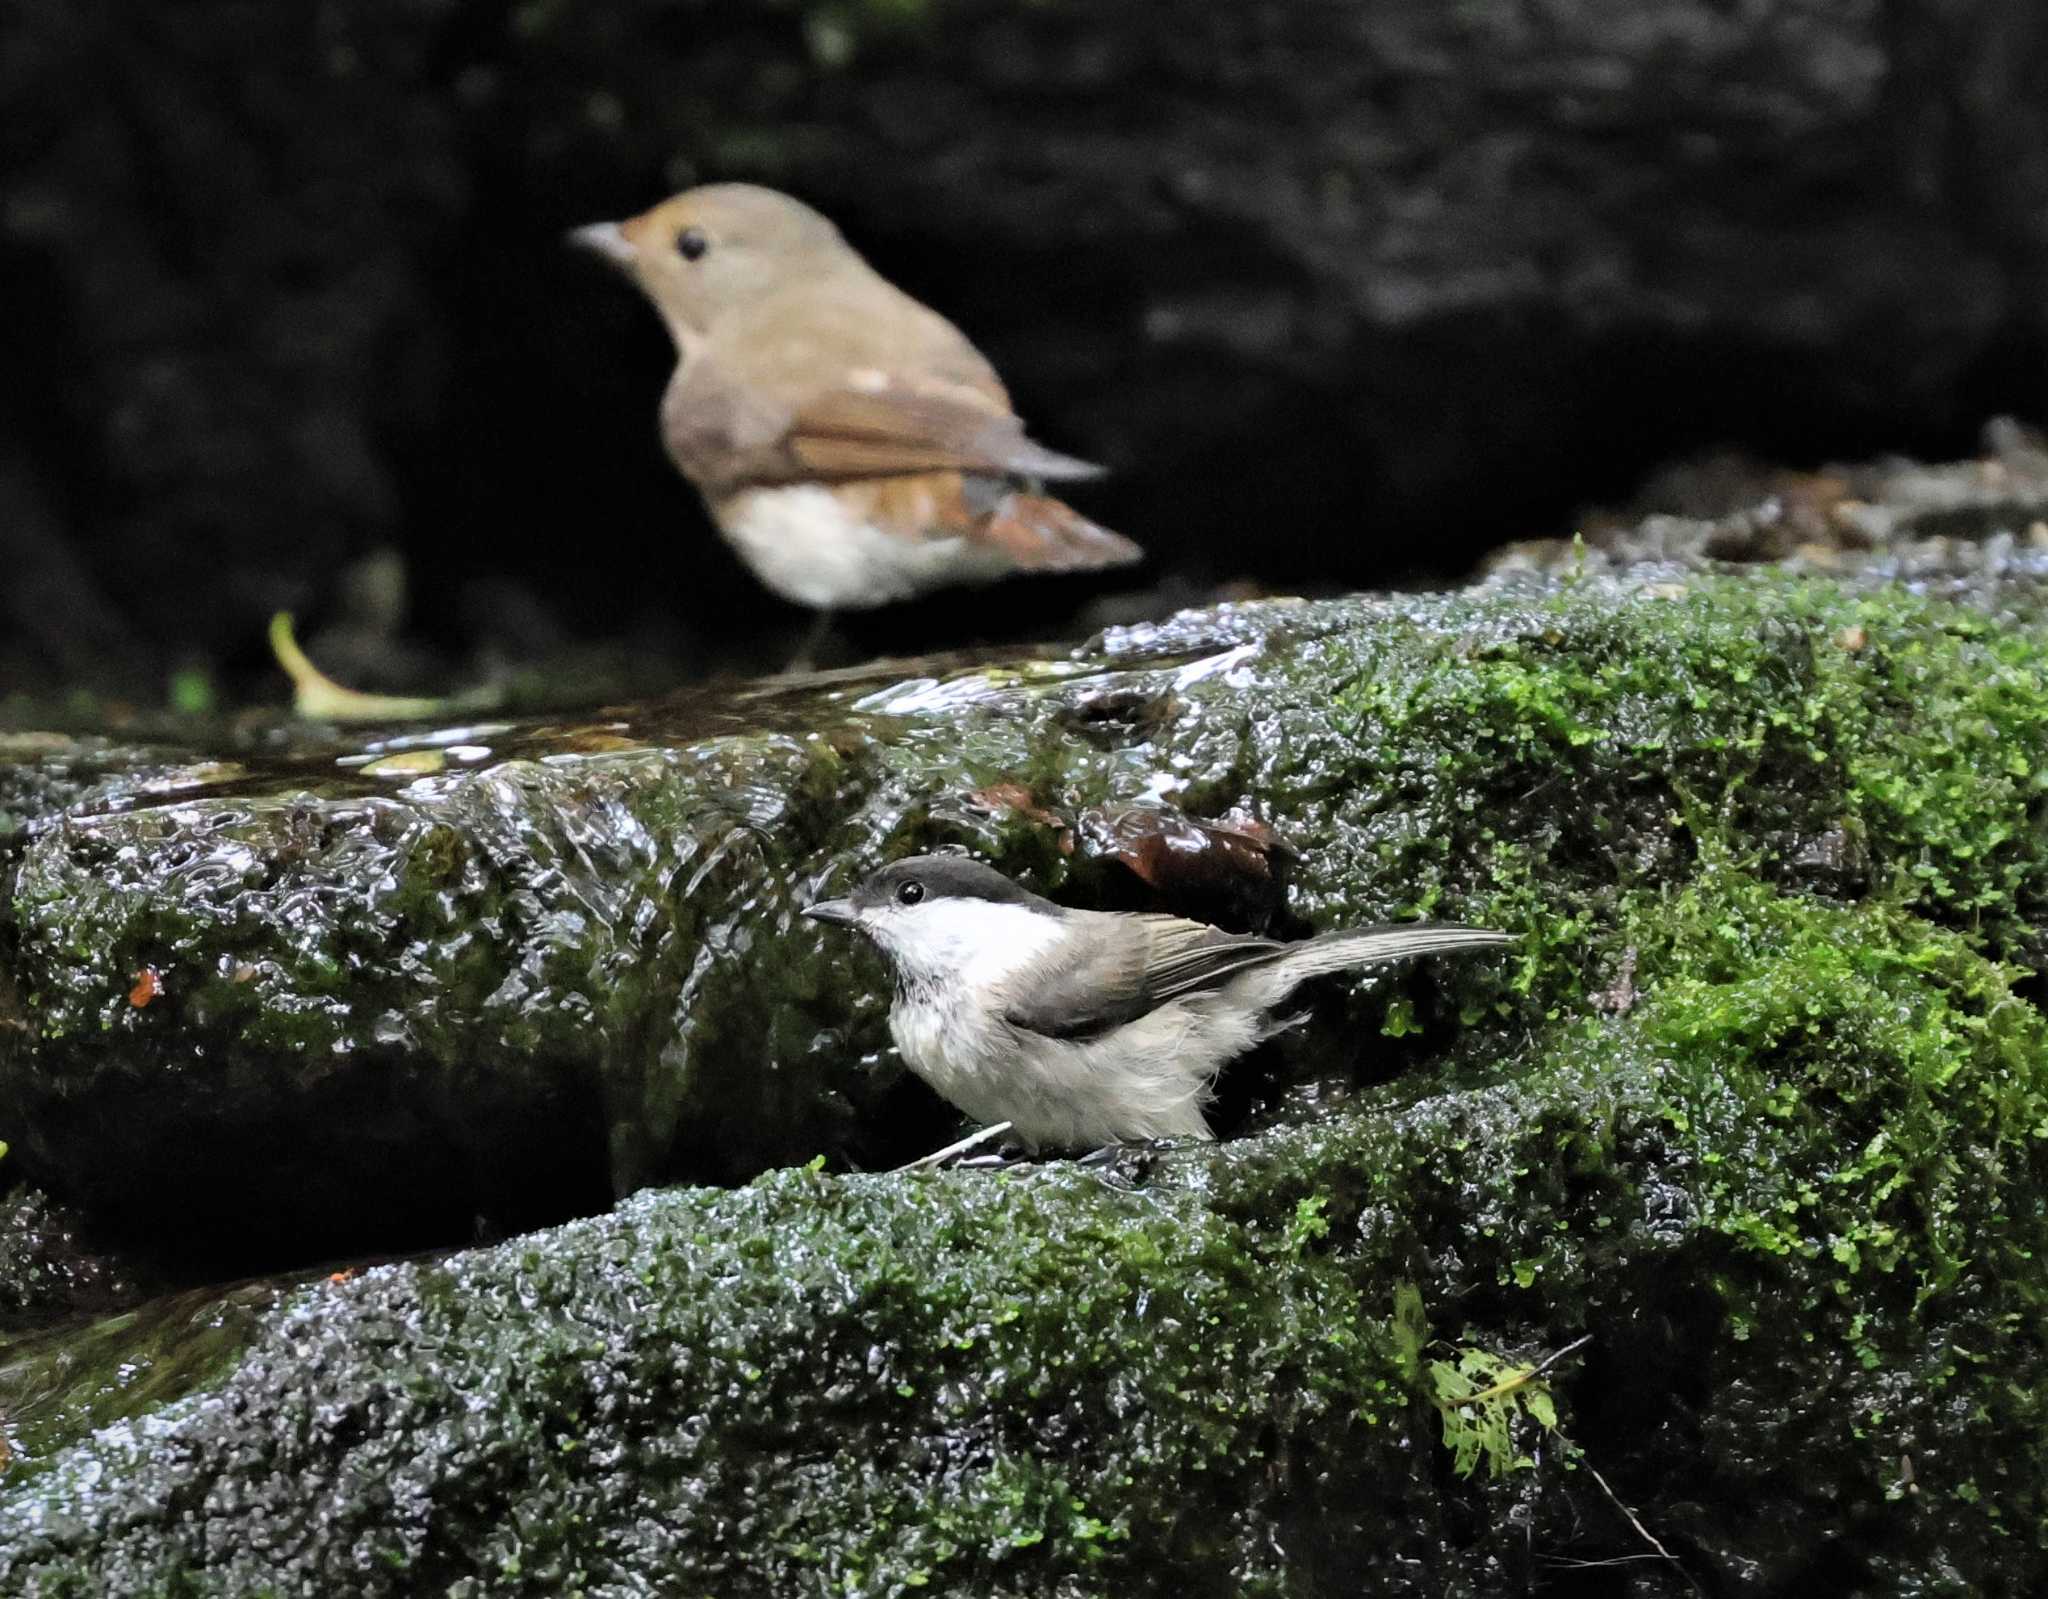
1030,459
1041,534
1270,984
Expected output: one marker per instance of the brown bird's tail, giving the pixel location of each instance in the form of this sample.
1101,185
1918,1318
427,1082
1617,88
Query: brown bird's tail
1040,534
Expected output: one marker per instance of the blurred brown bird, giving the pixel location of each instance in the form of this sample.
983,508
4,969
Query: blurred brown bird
850,443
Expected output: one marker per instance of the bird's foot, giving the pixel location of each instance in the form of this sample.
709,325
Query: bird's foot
952,1154
1124,1165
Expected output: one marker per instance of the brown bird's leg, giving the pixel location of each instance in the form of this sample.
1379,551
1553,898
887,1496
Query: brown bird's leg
815,638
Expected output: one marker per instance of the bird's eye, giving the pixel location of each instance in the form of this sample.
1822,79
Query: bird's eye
691,243
910,893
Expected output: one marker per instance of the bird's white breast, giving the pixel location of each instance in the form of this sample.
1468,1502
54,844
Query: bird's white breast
955,958
961,961
803,542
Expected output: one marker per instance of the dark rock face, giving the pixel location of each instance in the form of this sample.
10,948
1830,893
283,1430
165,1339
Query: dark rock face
219,227
1385,282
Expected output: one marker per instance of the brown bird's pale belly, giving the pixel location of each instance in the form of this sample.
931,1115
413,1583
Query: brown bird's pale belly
834,551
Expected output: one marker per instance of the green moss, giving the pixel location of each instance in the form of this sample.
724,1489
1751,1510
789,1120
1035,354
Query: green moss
1900,1053
607,922
1760,1102
1016,1384
1786,1193
58,1384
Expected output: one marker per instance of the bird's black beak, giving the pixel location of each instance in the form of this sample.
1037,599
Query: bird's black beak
839,912
607,239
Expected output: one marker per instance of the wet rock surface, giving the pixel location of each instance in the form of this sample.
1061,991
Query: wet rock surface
1949,528
462,981
1757,1102
1811,1360
53,1270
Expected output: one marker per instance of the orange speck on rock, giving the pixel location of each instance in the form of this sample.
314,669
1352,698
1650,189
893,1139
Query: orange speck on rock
999,797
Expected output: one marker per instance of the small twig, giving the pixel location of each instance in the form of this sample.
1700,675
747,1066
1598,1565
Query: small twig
939,1157
318,698
1647,1536
1510,1384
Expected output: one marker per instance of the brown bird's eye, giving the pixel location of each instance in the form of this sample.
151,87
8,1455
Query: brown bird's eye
910,893
691,243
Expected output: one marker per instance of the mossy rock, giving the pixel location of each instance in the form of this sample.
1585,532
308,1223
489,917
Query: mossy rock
1759,1103
1791,1195
327,1001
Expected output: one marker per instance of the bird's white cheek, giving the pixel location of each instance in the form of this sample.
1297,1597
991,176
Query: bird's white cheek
971,942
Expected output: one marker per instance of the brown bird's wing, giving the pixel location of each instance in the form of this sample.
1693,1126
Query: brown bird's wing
1158,959
842,380
725,435
901,427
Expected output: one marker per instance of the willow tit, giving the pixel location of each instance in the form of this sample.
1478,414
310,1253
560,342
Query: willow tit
1086,1028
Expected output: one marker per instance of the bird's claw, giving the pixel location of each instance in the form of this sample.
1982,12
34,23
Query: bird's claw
1123,1165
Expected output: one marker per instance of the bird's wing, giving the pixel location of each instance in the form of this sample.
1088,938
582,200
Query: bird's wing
1117,980
900,425
726,436
844,380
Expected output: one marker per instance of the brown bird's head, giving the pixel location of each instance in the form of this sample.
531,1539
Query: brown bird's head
715,249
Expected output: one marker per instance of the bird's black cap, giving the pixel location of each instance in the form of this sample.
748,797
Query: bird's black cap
922,878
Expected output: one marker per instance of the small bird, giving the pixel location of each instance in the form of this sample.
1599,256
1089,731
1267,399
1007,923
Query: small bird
850,443
1083,1029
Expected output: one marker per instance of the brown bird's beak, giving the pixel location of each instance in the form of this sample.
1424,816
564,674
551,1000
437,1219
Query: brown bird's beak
607,239
839,912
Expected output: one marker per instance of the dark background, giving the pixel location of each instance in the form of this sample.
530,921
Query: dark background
1344,293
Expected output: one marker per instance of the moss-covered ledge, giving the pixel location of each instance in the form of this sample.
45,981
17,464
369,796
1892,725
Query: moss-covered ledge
352,1000
1792,1192
1760,1104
